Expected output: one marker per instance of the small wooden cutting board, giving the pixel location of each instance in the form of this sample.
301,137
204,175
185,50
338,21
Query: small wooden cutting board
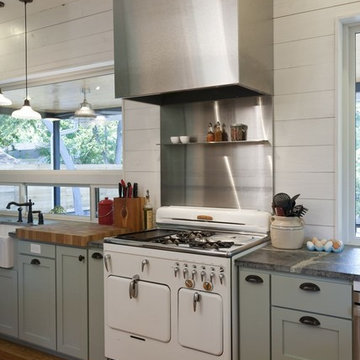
68,233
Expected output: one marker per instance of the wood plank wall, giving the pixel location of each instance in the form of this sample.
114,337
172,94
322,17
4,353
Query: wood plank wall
141,152
304,105
61,34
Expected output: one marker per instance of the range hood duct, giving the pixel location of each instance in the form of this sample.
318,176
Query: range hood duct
177,51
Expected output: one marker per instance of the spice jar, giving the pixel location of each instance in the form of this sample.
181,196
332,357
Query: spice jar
225,135
218,132
238,132
210,133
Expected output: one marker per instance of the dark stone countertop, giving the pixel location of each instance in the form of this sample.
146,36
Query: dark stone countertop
344,265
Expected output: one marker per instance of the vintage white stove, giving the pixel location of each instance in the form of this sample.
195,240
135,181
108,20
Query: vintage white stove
171,292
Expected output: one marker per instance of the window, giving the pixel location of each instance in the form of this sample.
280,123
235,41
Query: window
59,164
348,209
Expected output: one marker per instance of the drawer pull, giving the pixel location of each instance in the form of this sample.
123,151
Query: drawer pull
97,256
309,320
35,262
254,279
309,287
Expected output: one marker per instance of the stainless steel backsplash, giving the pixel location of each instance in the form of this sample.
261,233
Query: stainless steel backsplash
230,175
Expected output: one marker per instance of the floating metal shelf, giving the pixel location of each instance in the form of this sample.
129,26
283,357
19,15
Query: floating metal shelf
241,142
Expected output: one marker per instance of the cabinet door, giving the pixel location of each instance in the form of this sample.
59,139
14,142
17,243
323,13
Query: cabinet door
309,336
200,317
8,302
37,305
254,315
96,305
72,309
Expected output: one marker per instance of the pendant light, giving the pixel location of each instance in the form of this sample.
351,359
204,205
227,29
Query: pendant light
85,110
4,101
26,112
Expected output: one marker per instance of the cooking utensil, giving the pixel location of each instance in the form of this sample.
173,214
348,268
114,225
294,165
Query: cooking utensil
282,200
135,190
129,190
299,210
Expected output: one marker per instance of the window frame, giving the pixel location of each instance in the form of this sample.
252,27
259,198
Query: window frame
86,178
347,28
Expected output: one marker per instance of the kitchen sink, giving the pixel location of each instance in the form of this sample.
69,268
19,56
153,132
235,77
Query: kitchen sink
7,245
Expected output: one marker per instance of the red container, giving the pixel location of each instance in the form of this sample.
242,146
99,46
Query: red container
105,211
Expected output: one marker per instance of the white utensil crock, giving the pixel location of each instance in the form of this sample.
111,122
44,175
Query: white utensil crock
287,232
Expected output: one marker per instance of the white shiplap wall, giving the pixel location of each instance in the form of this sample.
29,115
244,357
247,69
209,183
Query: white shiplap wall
304,106
141,147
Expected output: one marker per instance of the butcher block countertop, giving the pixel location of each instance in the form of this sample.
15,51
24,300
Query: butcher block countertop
68,233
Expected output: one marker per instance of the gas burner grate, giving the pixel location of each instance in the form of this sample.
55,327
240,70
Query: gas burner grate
194,239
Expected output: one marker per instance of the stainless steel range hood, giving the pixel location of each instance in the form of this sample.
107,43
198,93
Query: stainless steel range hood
171,51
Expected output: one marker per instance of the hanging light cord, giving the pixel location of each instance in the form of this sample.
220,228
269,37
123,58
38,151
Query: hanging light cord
26,58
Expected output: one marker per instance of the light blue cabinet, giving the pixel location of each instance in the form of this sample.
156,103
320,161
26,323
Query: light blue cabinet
254,315
9,302
96,304
309,336
37,305
72,301
305,317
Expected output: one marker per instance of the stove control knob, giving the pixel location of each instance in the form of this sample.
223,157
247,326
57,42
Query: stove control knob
143,263
203,275
212,275
221,277
185,272
208,286
176,271
193,274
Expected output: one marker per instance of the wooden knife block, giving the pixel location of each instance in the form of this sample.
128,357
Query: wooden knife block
129,213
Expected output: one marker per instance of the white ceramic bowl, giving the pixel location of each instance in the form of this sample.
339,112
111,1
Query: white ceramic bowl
174,139
184,139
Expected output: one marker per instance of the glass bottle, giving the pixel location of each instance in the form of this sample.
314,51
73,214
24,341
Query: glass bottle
148,212
218,132
225,135
210,133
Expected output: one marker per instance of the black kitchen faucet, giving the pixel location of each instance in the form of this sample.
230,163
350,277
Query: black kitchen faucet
29,204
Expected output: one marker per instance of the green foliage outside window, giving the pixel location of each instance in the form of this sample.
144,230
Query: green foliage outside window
86,142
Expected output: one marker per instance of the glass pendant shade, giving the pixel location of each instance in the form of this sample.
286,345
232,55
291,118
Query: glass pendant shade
4,101
26,112
85,111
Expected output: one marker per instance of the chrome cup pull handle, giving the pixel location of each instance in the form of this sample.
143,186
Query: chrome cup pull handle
196,299
143,263
133,287
107,258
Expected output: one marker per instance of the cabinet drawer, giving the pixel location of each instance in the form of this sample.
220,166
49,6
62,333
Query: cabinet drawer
308,336
319,296
37,249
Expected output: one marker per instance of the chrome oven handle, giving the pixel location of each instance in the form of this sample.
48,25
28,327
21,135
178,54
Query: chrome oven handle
133,287
107,259
196,299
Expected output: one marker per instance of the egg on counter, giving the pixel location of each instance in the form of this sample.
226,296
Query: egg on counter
328,247
325,245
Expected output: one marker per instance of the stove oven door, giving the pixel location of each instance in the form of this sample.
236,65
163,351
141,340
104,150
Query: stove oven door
138,307
200,319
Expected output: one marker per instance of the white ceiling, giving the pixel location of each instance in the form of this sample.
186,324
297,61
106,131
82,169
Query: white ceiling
63,37
67,96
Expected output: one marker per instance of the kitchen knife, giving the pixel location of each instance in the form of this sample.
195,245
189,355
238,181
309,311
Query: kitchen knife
123,185
129,190
135,190
120,190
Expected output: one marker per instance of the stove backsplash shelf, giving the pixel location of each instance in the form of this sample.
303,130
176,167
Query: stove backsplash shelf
218,175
